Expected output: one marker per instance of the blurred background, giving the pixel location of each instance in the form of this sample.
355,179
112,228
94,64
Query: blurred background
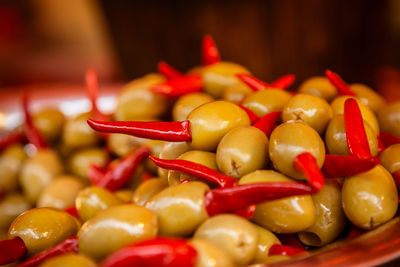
54,41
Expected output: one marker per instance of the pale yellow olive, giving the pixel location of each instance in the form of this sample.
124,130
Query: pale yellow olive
242,150
289,140
231,233
180,208
389,119
11,160
122,144
330,221
114,228
368,97
125,195
49,122
42,228
171,150
155,149
219,76
265,240
148,189
312,110
367,114
236,93
202,157
266,101
80,161
211,121
60,193
370,198
390,158
77,133
93,199
11,206
287,215
318,86
38,172
209,255
187,103
335,137
69,260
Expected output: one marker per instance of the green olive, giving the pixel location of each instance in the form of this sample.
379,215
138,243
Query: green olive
77,133
265,240
171,150
80,161
60,193
11,206
155,148
335,137
115,227
370,198
211,121
236,157
124,195
312,110
389,119
368,97
219,76
187,103
290,139
390,158
287,215
204,158
209,255
318,86
42,228
38,172
180,208
69,260
93,199
236,93
11,160
330,221
266,101
122,144
148,189
233,234
49,122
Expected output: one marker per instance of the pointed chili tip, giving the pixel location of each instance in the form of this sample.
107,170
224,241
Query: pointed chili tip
179,86
210,51
267,123
277,249
168,71
338,83
252,82
307,165
11,250
284,82
252,116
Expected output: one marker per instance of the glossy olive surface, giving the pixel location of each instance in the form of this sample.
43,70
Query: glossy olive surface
49,122
122,144
11,206
187,103
80,161
318,86
69,260
390,158
368,96
265,240
266,101
125,195
171,150
114,228
389,119
209,255
147,189
11,160
78,134
236,93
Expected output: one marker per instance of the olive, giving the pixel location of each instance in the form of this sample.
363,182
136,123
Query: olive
290,139
390,158
69,260
287,215
155,148
122,144
368,97
211,121
265,240
312,110
202,157
124,195
11,206
233,234
60,193
180,208
219,76
78,134
42,228
49,122
266,101
209,255
335,137
318,86
137,101
338,109
236,93
236,157
171,150
38,172
80,161
11,160
115,227
93,199
147,189
187,103
370,198
389,119
330,221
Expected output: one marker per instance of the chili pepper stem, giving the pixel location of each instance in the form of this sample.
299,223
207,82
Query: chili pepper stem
12,250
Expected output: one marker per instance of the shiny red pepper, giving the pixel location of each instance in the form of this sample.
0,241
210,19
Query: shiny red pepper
336,166
252,116
290,240
252,82
388,139
340,85
72,211
160,252
284,82
12,250
210,53
307,164
179,86
9,139
284,250
168,71
267,123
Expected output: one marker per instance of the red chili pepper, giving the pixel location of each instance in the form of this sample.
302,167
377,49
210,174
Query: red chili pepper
184,181
11,250
340,85
252,116
160,252
247,212
9,139
388,139
396,178
341,166
179,86
291,240
267,123
231,199
69,245
117,177
95,173
146,176
381,146
284,82
252,82
307,165
284,250
210,53
167,131
168,71
72,211
197,170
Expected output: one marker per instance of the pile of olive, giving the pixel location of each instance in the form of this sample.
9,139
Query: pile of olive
40,186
